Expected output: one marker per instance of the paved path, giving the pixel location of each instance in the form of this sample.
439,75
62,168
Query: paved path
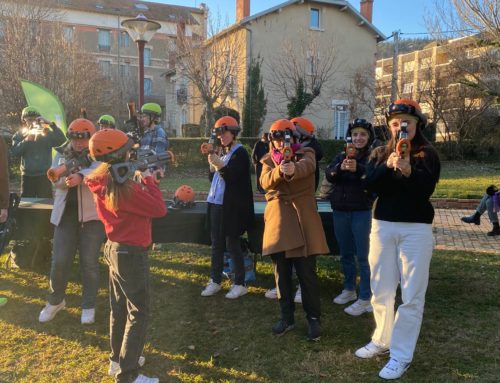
451,233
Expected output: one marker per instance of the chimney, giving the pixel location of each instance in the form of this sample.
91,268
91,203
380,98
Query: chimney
242,9
366,9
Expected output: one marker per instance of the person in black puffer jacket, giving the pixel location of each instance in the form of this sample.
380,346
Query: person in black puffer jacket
351,205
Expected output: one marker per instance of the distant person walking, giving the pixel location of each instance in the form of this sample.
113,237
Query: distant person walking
260,149
489,203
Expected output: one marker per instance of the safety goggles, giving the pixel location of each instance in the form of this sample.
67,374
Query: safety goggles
361,123
78,135
279,134
402,108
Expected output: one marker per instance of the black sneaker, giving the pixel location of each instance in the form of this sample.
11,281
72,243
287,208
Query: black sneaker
474,218
314,331
282,327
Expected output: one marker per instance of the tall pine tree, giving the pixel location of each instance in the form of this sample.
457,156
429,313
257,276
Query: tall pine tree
255,103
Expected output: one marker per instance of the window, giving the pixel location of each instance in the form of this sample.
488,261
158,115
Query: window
314,18
68,33
312,63
2,29
124,40
104,40
147,56
124,71
340,118
409,66
105,67
408,87
148,86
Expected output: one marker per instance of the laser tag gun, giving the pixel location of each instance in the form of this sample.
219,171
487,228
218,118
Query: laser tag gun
132,127
209,147
70,166
7,227
287,147
146,159
36,129
403,146
350,150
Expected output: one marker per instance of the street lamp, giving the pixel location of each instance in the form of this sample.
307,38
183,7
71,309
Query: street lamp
141,30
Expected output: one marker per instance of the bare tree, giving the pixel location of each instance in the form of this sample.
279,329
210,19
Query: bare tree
213,67
33,47
300,72
361,92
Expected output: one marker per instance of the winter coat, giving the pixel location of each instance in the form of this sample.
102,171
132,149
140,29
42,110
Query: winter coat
291,219
318,150
238,210
4,175
86,205
36,156
349,191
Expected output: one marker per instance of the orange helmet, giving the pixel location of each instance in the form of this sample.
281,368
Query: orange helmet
226,123
81,128
304,126
278,128
184,196
109,145
406,106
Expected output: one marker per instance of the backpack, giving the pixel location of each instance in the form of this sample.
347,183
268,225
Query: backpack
31,255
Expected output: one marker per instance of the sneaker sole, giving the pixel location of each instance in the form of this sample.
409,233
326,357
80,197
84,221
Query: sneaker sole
53,315
344,302
395,377
372,356
314,339
357,314
289,328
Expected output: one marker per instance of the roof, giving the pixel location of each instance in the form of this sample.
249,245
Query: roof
154,11
342,4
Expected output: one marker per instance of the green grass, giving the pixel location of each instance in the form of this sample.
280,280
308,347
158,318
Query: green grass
195,339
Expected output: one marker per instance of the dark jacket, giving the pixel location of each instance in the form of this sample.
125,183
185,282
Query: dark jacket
36,156
401,199
313,143
349,190
238,211
4,175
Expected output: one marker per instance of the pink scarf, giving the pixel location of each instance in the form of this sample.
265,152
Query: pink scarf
278,156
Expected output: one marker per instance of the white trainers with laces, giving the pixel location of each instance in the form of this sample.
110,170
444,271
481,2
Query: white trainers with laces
49,311
88,316
370,350
298,296
114,367
345,296
359,307
211,289
144,379
236,291
394,369
271,294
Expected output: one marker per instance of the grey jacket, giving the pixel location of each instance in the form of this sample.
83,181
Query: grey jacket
86,205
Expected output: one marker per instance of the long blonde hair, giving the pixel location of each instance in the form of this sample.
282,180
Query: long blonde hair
115,192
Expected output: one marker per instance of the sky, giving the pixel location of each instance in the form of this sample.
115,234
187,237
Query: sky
406,16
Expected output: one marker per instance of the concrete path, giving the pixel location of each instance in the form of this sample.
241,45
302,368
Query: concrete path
450,233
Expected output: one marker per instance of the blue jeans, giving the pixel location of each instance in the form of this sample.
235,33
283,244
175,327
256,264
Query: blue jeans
70,236
486,204
352,230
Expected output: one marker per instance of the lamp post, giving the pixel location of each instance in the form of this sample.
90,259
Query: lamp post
141,30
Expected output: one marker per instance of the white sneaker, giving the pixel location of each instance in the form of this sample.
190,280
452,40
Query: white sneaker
114,367
144,379
211,289
345,296
394,369
271,294
236,291
49,311
88,316
370,350
298,296
359,307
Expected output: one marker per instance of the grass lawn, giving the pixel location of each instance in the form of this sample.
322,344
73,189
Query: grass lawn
458,179
195,339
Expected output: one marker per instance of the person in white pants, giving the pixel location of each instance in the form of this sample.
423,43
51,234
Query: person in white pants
403,174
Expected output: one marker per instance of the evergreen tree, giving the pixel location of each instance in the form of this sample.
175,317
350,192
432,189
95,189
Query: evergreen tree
255,103
301,100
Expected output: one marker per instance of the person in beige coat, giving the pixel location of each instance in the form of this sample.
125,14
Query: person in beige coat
293,232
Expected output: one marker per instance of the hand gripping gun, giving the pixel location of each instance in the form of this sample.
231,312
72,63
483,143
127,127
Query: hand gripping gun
145,159
403,146
70,166
209,147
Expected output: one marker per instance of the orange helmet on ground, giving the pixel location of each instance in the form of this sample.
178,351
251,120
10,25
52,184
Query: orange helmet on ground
109,145
406,106
80,128
184,197
226,123
304,126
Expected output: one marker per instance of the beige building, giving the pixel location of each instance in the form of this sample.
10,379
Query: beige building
96,25
425,75
319,30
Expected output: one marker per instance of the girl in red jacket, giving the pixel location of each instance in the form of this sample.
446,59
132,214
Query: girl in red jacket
126,209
